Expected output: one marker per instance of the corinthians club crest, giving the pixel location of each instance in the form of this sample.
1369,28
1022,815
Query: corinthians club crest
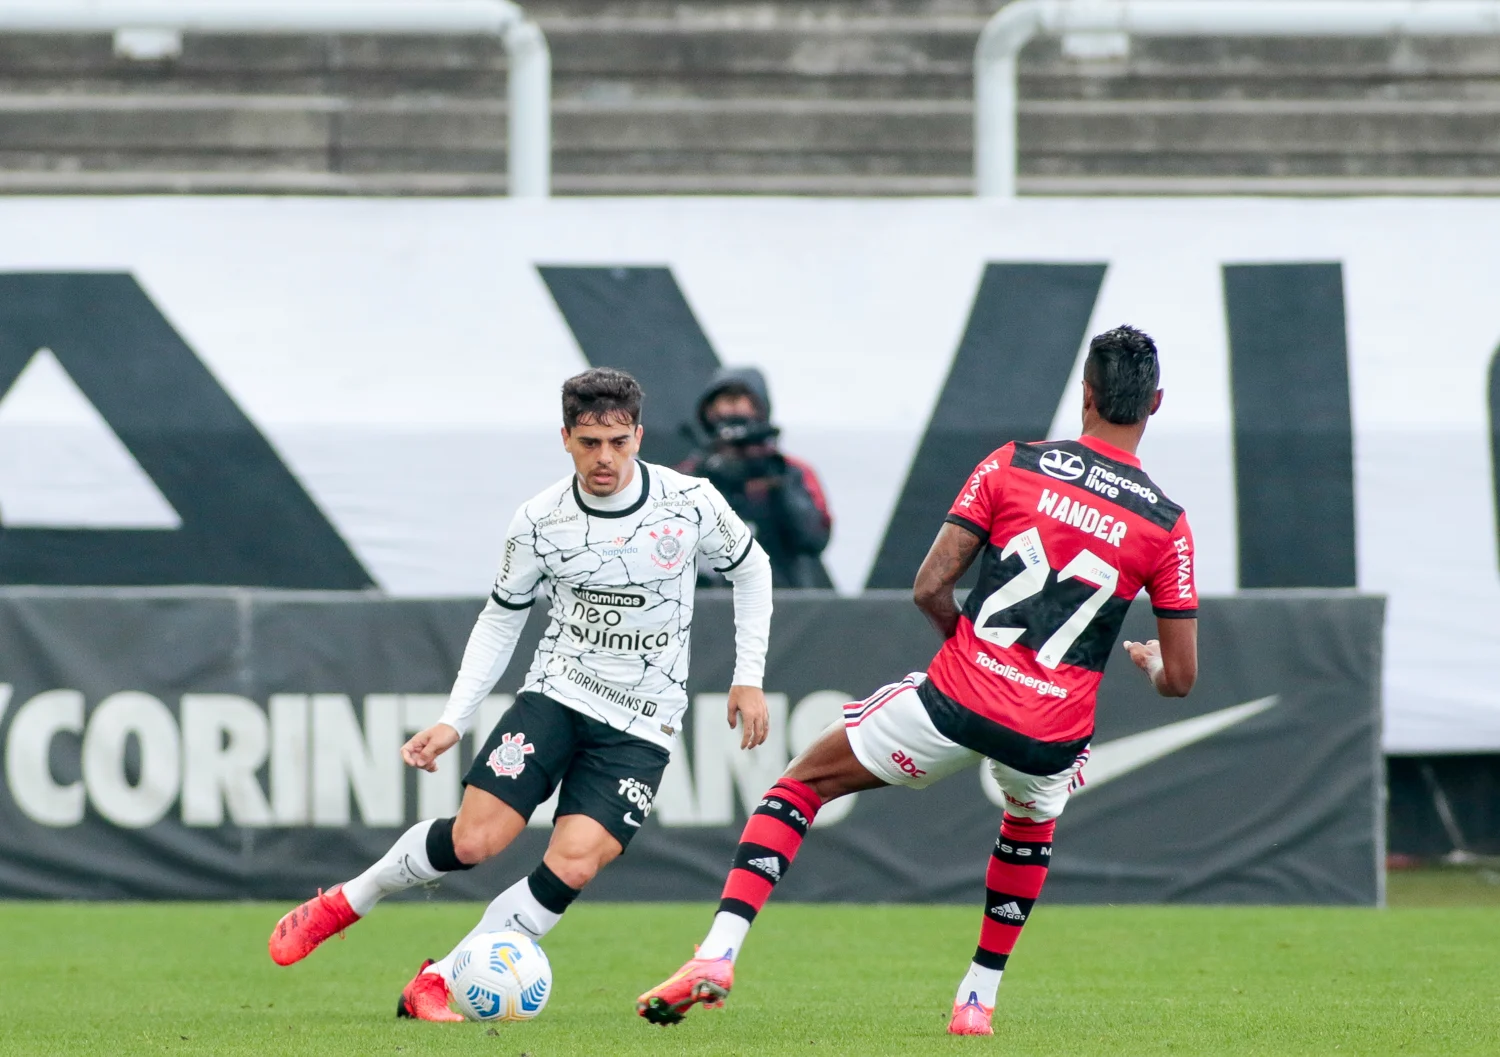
509,758
669,549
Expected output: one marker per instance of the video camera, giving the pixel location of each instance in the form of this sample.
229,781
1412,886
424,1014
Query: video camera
741,452
741,432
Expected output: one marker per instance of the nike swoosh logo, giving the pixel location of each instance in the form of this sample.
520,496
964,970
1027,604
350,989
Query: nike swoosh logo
1124,755
630,821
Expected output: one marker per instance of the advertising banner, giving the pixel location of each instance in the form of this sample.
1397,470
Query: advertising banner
347,394
203,745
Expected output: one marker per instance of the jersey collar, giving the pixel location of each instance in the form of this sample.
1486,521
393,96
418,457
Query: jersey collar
1109,451
643,476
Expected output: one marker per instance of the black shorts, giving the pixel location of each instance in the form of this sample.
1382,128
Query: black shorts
606,774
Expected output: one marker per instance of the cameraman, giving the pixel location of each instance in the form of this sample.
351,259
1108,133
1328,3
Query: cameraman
779,497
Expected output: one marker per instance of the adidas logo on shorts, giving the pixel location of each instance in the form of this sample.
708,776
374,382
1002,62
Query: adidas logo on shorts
1011,910
768,865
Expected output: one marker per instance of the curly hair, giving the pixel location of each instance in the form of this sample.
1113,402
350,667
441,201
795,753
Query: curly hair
599,395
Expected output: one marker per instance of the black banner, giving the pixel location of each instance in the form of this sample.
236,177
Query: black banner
199,744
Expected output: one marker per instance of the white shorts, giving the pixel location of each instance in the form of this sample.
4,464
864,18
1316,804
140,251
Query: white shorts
893,737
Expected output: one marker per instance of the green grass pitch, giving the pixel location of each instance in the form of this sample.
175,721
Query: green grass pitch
195,979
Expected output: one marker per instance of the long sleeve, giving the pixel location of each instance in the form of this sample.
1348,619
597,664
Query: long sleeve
491,644
494,637
752,616
730,549
803,509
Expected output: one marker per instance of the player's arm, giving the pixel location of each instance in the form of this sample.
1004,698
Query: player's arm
730,549
1171,660
950,557
964,531
751,580
489,649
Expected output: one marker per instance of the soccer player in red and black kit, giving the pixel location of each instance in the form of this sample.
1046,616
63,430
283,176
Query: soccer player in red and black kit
1070,532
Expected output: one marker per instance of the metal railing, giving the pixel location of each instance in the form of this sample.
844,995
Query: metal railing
1017,23
150,23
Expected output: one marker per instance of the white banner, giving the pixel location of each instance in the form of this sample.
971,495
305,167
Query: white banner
403,358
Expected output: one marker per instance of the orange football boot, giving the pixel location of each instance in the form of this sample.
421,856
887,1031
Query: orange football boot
298,934
426,997
705,980
971,1018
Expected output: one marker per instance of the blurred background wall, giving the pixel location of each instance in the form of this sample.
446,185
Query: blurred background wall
778,97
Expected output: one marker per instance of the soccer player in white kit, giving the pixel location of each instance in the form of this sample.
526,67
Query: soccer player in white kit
615,547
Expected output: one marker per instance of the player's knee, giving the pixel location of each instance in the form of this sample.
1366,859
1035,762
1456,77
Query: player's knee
575,859
473,844
574,869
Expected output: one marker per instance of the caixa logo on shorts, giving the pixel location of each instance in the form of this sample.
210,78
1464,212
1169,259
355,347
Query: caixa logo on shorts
508,759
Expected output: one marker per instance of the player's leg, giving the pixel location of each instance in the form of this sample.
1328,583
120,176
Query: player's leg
421,855
579,848
773,835
516,769
607,792
509,777
530,906
1013,880
768,845
886,739
484,827
535,903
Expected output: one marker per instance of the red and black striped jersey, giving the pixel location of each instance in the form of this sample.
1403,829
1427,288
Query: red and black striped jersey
1073,530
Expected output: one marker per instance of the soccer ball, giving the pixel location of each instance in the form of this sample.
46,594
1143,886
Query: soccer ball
500,976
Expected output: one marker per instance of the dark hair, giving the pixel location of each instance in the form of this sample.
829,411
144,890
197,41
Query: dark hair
1122,371
599,395
735,389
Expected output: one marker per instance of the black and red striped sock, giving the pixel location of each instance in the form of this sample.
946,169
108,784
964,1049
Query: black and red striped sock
767,848
1012,882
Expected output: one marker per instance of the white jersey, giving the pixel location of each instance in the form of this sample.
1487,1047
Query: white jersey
620,583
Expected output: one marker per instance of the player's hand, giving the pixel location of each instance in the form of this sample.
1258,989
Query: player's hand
1147,657
748,703
423,749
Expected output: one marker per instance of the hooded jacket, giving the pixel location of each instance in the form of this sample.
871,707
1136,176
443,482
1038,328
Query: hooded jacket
747,378
784,505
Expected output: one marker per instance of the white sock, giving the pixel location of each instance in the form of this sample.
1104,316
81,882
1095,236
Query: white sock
725,937
980,982
403,867
513,910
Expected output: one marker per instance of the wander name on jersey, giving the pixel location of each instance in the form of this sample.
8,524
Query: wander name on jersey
1083,517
